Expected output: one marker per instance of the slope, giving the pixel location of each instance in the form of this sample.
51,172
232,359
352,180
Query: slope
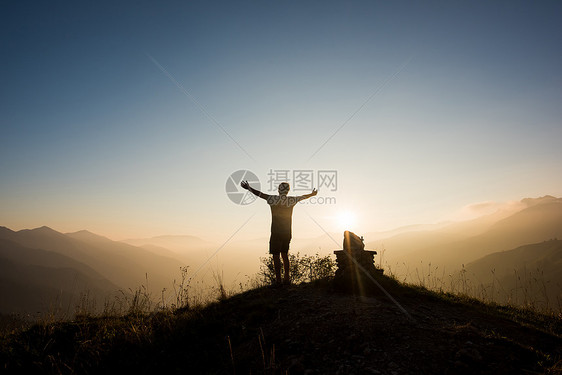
527,274
34,280
300,329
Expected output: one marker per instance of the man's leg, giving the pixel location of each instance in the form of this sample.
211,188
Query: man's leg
286,268
277,266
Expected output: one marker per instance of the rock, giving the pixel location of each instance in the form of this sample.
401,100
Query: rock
468,354
296,363
392,365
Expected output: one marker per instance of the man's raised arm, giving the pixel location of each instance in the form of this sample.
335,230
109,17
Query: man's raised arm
247,186
306,196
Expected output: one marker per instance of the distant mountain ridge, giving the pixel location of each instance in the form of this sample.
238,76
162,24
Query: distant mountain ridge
537,220
540,221
33,280
527,274
511,256
91,263
122,264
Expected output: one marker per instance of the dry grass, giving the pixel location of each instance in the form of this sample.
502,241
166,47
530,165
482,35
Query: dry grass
531,290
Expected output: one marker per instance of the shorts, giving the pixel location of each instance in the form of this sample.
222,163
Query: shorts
279,244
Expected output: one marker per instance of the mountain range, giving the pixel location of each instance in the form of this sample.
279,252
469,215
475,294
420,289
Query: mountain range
451,246
527,275
41,269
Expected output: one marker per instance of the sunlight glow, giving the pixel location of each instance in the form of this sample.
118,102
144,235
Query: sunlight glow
346,220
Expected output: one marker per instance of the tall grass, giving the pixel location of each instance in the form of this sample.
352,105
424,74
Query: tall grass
530,289
185,293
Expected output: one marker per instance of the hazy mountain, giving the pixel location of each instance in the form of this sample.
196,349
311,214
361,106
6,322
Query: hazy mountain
527,274
232,260
529,202
180,244
410,239
125,265
161,270
87,236
164,252
35,280
444,244
372,236
541,221
189,250
532,221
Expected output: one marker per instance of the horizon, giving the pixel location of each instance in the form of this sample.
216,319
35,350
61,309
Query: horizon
129,120
464,214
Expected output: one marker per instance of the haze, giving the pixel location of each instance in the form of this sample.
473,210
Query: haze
126,119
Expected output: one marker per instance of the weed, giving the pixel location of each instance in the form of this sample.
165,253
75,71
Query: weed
305,268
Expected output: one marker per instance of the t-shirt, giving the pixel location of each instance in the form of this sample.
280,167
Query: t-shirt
281,214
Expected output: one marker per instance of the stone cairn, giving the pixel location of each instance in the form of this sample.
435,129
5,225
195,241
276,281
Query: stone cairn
353,262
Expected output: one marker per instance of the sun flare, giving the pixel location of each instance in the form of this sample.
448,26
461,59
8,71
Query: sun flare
346,220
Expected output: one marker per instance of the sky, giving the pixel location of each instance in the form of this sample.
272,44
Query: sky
127,118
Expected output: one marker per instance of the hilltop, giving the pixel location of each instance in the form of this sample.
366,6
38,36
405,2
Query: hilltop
302,329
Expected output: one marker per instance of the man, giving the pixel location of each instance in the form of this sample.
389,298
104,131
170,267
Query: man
281,217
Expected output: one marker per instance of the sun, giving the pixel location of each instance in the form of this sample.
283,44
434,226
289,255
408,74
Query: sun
346,220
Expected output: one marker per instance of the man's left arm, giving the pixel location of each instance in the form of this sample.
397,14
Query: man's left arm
306,196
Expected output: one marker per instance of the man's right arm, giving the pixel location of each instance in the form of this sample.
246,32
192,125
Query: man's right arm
247,186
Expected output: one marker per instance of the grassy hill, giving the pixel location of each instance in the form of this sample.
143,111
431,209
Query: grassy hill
528,275
303,329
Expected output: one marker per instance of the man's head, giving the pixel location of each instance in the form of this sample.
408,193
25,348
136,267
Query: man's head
284,188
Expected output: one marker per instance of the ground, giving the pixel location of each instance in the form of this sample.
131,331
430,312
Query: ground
304,329
318,331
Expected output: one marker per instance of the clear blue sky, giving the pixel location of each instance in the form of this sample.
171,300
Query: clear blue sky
99,131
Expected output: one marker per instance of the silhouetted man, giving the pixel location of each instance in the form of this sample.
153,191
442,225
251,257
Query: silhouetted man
281,217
